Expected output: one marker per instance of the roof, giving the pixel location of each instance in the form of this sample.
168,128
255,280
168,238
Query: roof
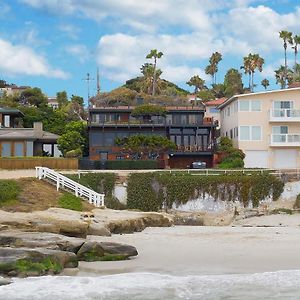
215,102
25,134
11,111
257,93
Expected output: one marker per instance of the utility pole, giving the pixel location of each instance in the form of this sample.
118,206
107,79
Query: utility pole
98,82
88,79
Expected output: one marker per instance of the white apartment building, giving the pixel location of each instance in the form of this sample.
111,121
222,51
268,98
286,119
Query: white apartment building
266,126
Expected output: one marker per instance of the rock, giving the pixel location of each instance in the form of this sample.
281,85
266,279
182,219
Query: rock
94,251
98,229
12,238
34,262
90,251
5,281
116,248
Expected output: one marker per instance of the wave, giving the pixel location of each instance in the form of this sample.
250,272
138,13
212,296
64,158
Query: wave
151,286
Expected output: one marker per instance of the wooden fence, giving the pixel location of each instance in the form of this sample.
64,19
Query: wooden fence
31,163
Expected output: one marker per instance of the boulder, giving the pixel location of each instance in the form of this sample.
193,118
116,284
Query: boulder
34,262
94,251
5,281
98,229
16,239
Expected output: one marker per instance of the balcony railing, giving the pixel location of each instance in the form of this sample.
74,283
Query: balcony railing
152,123
285,140
285,115
195,148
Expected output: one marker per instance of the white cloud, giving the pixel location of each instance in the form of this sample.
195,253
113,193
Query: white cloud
19,59
79,51
70,30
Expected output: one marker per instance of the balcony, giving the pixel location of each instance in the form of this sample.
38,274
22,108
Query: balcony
285,140
195,148
285,115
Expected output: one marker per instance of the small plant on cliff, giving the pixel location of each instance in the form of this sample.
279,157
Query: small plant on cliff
69,201
9,191
148,110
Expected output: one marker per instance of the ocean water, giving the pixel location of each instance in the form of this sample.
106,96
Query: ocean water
153,286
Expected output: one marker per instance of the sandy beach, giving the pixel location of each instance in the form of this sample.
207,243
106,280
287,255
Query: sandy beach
207,250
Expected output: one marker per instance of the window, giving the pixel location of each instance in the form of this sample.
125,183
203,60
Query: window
256,133
213,110
6,121
244,105
228,111
19,149
280,129
29,149
231,133
244,133
5,149
283,104
250,133
256,105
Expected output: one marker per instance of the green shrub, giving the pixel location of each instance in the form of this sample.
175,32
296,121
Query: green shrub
70,201
74,153
131,164
282,210
113,203
231,163
153,191
9,190
99,182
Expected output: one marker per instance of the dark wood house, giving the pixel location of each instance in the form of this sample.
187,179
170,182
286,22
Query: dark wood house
186,126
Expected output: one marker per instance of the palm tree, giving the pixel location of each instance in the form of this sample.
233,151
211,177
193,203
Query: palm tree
286,36
156,55
251,63
282,75
296,41
197,82
212,68
147,80
265,83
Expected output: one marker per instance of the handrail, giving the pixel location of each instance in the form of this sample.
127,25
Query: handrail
64,182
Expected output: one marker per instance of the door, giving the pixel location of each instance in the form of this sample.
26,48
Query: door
256,159
285,159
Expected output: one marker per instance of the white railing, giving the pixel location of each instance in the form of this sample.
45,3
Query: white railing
285,114
62,181
285,139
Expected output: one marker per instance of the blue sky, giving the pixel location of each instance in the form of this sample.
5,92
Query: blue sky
52,44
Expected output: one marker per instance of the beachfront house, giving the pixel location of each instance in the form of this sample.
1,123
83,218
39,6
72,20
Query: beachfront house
266,126
186,126
16,141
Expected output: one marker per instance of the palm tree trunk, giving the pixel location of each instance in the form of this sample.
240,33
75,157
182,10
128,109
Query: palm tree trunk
154,78
285,65
296,51
249,81
252,81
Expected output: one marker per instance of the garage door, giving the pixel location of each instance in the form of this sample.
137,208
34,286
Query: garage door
256,159
285,159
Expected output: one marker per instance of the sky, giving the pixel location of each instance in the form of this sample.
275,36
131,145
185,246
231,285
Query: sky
53,44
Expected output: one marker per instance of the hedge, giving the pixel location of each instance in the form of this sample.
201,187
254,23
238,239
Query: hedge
153,191
131,164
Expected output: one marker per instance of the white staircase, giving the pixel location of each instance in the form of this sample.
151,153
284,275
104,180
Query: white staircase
62,181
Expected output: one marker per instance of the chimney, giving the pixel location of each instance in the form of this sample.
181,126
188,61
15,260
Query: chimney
38,129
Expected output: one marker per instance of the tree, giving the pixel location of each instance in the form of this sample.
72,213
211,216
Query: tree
197,82
233,83
218,90
296,42
286,36
148,110
265,83
282,75
212,68
33,96
62,98
206,95
251,63
145,146
74,139
3,83
156,55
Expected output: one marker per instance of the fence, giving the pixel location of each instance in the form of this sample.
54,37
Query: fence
64,182
31,163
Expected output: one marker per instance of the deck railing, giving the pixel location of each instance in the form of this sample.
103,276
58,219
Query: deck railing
62,181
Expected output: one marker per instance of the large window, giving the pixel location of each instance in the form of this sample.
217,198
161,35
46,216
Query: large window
247,105
5,149
19,149
250,133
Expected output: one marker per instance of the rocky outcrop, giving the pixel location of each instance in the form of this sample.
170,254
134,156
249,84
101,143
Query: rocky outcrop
35,253
34,262
77,224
